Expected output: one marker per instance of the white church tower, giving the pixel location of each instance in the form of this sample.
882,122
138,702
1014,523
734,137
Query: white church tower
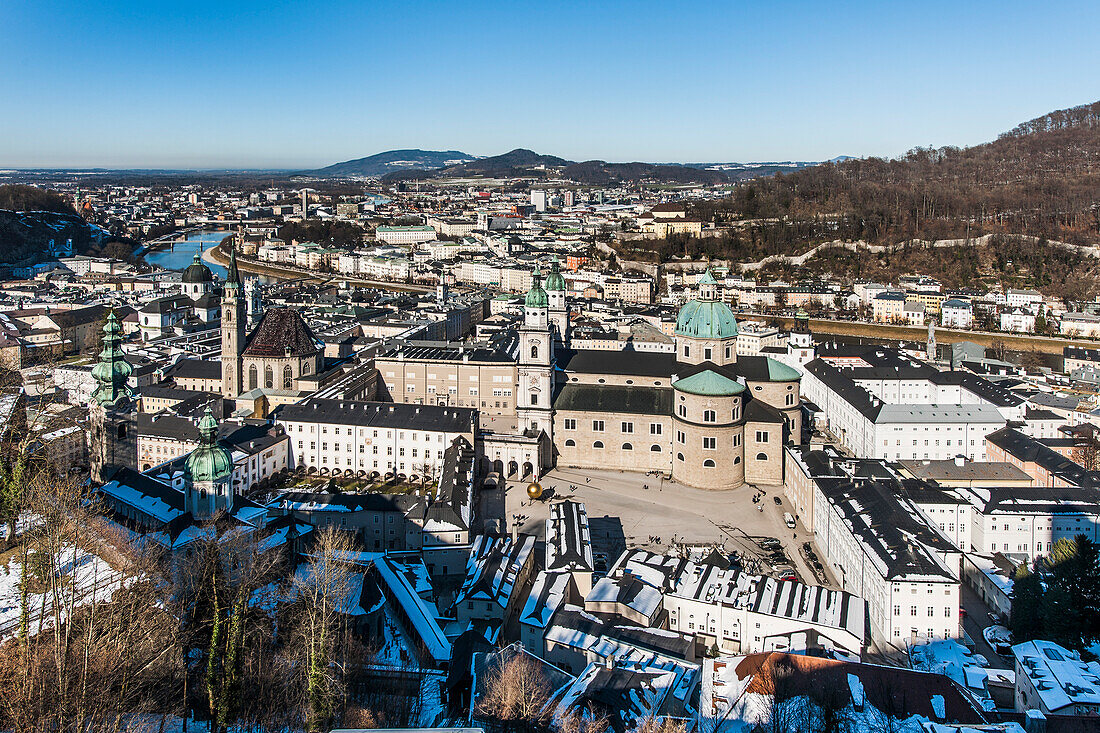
558,311
536,362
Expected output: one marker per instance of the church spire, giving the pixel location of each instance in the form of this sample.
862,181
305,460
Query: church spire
113,370
233,277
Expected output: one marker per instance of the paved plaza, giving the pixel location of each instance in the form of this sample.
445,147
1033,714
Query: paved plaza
636,509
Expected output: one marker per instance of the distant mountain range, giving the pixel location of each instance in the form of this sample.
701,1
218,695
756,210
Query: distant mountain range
401,165
381,164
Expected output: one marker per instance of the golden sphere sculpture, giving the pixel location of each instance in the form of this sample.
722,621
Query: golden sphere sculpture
534,490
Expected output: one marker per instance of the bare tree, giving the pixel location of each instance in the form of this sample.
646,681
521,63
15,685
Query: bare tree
1087,453
516,695
320,592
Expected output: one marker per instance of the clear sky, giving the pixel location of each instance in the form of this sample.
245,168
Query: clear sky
301,84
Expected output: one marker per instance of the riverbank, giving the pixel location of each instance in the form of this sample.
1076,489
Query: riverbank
1012,341
215,256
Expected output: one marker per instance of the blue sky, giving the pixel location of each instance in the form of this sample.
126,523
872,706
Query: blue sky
302,84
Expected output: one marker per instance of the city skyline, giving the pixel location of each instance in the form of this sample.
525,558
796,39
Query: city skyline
199,85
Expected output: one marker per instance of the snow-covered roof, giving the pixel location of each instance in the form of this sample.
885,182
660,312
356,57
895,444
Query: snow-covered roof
1058,675
548,593
493,568
421,615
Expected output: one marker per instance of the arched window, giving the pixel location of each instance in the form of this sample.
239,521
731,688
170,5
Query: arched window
534,352
679,456
627,446
269,377
708,463
655,448
736,460
570,443
253,377
683,410
305,367
598,444
761,456
122,431
709,416
287,376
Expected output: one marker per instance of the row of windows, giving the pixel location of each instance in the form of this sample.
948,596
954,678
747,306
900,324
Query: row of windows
269,376
599,445
599,426
708,352
960,443
931,611
414,436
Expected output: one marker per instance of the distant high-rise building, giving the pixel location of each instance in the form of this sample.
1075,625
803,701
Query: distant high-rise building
568,198
538,200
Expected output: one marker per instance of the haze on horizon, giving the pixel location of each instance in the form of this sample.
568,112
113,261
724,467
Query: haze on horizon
297,85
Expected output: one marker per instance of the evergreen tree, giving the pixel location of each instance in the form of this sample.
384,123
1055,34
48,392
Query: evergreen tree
1027,616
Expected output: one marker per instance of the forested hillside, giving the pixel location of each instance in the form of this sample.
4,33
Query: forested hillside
1041,178
30,217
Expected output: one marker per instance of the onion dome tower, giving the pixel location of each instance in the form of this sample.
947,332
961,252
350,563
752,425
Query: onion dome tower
208,473
555,293
110,413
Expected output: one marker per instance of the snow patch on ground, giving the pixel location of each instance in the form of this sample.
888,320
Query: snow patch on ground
86,578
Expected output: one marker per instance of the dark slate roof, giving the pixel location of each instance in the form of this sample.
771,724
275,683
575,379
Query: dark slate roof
281,329
1030,450
877,511
194,369
1043,500
759,411
614,398
1081,353
413,351
167,304
399,503
380,414
91,314
639,363
452,505
149,486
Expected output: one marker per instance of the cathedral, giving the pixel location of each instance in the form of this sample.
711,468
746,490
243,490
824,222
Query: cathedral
701,415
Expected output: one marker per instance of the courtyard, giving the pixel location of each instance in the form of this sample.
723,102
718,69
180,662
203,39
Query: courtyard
635,509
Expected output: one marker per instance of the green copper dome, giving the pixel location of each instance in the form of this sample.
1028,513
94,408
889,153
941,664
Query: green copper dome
708,383
536,296
554,281
706,319
208,462
112,371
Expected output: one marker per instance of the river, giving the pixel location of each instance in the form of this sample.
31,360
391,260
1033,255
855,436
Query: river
183,253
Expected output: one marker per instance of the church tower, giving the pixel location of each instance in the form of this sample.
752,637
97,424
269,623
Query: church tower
208,474
558,312
800,342
536,360
254,300
233,334
112,440
930,347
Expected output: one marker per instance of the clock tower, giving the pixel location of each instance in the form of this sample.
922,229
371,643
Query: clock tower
536,362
